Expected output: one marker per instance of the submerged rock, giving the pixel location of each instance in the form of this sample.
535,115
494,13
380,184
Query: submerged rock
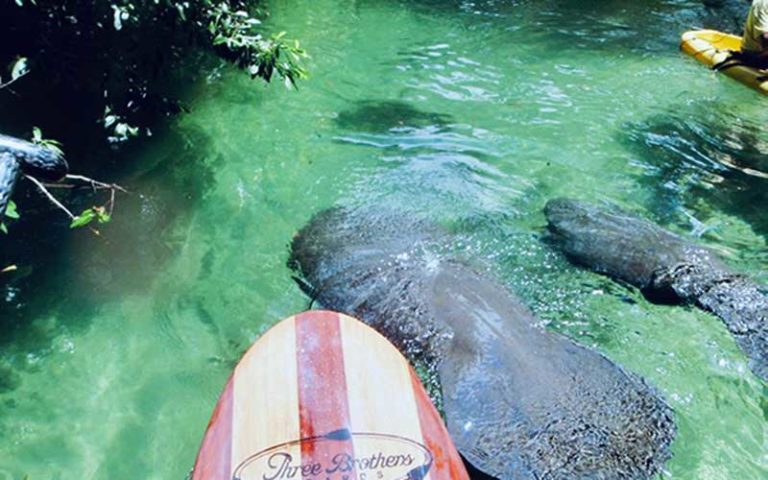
9,173
667,267
18,156
36,160
520,402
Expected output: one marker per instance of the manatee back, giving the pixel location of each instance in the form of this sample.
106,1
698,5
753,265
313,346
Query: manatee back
619,245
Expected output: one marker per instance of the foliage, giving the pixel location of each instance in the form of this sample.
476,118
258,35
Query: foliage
10,212
101,214
18,69
98,214
234,30
80,66
111,60
37,139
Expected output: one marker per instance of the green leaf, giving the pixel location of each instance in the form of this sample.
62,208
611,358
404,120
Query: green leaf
3,228
83,219
10,210
37,135
102,215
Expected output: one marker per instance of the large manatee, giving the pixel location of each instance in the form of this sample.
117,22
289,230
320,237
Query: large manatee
520,402
666,267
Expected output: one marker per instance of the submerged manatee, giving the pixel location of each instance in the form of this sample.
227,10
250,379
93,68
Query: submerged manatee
666,267
382,116
520,402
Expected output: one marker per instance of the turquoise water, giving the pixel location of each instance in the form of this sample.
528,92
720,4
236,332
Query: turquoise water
473,113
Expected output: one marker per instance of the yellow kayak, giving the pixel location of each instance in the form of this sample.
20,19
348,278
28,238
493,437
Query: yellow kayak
711,47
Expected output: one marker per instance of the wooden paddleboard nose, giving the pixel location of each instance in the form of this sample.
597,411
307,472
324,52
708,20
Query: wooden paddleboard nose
322,396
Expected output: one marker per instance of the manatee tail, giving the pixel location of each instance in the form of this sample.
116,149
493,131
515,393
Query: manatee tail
523,403
666,267
741,304
479,421
743,307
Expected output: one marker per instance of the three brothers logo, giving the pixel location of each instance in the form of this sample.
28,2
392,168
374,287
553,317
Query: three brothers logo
339,455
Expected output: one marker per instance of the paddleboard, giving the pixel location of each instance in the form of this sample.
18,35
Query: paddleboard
323,396
711,47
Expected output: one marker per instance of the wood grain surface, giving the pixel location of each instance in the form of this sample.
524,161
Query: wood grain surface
323,396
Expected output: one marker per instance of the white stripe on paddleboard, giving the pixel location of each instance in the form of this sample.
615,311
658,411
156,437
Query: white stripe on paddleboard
379,387
266,396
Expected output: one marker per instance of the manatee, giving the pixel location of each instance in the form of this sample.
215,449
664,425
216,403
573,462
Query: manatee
666,267
381,116
520,402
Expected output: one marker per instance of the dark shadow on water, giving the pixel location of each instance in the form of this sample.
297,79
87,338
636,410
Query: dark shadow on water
700,158
65,275
380,116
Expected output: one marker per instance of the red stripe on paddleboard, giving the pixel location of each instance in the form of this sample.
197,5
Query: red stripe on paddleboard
214,460
446,463
323,406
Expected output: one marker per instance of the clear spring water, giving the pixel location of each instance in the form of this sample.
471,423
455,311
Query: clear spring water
473,113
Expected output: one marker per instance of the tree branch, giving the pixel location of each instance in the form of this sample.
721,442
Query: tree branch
96,184
8,84
48,194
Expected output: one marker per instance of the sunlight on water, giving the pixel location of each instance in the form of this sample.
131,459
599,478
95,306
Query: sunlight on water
472,113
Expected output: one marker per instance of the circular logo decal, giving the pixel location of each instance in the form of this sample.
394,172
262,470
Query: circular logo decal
339,455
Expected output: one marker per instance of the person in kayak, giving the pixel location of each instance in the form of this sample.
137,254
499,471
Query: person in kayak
754,43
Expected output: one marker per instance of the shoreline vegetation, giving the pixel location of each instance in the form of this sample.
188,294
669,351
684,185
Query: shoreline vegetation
94,75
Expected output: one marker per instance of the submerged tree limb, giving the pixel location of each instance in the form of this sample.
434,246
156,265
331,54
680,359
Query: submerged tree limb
101,214
42,163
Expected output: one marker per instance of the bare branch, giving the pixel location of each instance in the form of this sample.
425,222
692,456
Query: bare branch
11,82
48,194
112,202
96,184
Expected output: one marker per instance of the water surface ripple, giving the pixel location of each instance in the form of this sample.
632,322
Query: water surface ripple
474,113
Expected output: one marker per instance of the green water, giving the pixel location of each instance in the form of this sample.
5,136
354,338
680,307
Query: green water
473,113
